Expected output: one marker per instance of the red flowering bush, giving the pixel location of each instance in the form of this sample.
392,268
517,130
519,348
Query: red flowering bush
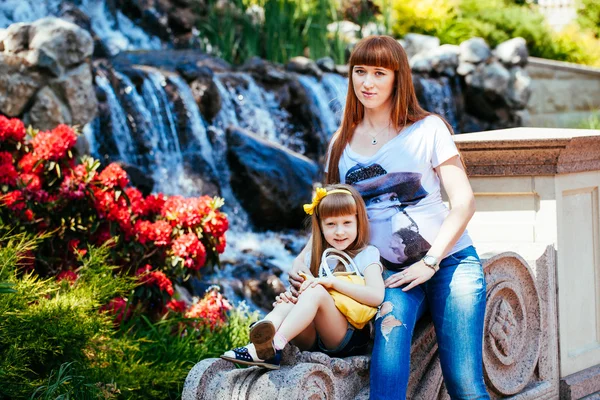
160,240
211,310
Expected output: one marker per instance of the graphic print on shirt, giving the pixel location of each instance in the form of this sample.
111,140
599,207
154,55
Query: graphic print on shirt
387,195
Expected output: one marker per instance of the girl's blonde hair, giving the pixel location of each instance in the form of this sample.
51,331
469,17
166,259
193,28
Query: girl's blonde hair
336,205
379,51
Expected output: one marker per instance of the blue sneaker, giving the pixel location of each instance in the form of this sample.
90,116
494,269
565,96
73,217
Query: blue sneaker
241,355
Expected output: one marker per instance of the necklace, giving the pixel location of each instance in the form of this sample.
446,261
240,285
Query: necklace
373,137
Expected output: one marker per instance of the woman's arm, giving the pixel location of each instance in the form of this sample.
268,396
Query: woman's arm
371,294
462,201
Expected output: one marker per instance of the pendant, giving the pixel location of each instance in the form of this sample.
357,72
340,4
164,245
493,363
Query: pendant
373,141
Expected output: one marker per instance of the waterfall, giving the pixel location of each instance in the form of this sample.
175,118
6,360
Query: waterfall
127,151
439,99
116,31
336,87
319,104
197,124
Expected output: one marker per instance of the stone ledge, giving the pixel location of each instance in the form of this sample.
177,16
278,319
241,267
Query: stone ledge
564,66
530,151
581,384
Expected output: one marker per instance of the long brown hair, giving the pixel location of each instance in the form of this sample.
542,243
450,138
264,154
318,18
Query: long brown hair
379,51
335,205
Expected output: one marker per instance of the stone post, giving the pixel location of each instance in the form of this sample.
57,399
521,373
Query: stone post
540,186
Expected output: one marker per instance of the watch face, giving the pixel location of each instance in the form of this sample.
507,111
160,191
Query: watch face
430,260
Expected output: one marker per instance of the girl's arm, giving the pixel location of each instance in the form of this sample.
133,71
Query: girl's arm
371,294
462,201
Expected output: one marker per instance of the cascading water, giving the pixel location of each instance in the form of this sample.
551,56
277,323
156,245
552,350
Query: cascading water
336,87
116,31
121,134
320,105
439,99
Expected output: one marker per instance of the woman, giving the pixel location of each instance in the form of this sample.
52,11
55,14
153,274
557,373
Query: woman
388,144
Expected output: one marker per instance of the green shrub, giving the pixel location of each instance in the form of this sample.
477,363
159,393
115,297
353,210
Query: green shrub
589,16
54,342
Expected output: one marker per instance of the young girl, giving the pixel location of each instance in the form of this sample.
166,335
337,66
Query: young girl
339,221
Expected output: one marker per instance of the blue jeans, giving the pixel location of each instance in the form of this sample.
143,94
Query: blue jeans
455,298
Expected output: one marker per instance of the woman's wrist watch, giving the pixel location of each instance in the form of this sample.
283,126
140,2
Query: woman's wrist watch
432,262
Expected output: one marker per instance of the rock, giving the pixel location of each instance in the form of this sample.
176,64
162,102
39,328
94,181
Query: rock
326,64
347,31
304,65
519,88
420,63
138,178
48,111
206,94
259,282
513,52
271,182
56,44
170,60
16,38
265,71
77,88
18,84
444,59
474,50
495,78
342,69
416,43
465,68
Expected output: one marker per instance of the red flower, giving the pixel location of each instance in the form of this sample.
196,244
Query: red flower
216,223
137,201
159,232
73,247
31,182
155,278
212,309
191,249
11,129
154,203
113,175
8,173
176,305
117,307
53,145
27,162
67,275
220,245
14,200
29,215
181,211
74,184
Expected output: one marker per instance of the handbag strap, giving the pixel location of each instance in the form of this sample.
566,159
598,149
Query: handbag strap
334,254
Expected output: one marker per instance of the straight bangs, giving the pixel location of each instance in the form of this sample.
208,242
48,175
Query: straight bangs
335,205
376,51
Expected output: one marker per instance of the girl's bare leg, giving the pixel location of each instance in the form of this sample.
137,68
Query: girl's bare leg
280,311
315,304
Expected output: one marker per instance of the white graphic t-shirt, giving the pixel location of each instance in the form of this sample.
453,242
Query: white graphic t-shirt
402,191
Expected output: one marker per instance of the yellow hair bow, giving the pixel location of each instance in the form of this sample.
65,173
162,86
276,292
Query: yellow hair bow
320,193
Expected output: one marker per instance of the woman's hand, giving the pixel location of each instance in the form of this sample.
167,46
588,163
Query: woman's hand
285,297
414,275
294,276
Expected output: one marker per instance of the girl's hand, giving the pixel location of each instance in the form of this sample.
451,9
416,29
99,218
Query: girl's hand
327,283
414,275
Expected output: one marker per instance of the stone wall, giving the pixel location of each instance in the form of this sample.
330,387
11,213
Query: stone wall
563,94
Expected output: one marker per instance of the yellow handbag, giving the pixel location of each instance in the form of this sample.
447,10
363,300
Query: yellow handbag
357,314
